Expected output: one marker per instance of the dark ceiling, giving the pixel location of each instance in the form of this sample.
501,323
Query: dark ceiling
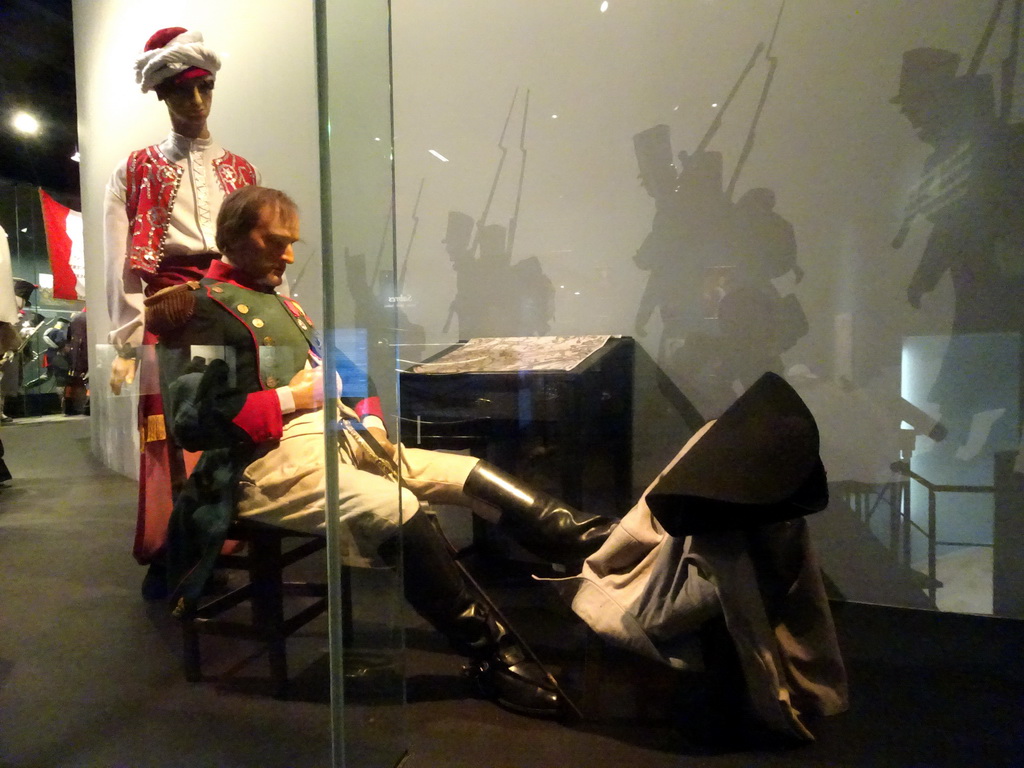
37,74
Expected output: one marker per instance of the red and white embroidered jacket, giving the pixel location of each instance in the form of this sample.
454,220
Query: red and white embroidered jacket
160,207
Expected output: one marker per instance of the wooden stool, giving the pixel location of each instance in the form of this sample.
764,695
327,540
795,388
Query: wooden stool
264,557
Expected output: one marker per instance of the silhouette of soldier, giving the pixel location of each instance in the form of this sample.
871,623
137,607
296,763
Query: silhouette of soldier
712,262
495,297
756,322
458,243
688,234
970,190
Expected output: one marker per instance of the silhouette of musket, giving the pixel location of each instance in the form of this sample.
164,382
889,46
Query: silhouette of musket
748,145
412,238
919,202
380,247
1008,67
716,122
647,302
514,221
986,37
482,221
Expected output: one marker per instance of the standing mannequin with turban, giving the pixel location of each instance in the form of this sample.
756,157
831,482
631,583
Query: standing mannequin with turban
160,211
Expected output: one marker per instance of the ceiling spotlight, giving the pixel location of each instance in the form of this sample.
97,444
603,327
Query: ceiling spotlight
438,155
604,6
25,123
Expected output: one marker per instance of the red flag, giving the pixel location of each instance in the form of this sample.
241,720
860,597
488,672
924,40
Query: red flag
64,242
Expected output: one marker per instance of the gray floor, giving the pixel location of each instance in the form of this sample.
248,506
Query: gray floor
90,674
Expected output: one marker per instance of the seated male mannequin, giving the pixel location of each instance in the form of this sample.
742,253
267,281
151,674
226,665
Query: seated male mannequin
242,380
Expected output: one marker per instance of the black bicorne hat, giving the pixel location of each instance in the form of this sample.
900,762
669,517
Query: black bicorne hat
757,464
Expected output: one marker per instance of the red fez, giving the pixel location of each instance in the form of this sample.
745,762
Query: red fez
162,37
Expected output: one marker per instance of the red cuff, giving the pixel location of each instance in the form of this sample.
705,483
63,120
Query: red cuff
369,406
260,417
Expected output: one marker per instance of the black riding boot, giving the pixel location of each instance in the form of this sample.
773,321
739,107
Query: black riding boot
543,525
438,591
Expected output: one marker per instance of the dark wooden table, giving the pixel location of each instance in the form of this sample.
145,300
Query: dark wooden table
580,420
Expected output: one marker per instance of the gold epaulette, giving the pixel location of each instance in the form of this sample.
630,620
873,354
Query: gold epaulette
170,308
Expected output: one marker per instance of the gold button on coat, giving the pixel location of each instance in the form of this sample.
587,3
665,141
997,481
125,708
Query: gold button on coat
243,308
268,341
257,323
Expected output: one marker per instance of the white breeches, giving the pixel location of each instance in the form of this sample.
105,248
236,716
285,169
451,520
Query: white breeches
287,487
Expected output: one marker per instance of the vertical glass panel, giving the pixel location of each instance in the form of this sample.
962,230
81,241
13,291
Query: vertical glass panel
264,109
354,71
826,191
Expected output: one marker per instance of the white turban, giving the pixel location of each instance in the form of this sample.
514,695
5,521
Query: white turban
184,51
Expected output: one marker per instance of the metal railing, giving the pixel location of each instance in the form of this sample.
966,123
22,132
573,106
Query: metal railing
929,531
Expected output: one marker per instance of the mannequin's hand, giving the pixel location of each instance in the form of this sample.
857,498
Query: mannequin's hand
382,437
307,388
122,371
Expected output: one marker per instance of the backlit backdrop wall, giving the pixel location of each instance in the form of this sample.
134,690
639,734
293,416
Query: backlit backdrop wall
553,120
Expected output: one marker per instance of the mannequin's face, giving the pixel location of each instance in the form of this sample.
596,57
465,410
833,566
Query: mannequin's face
267,250
188,104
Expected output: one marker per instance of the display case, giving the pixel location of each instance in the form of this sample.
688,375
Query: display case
715,190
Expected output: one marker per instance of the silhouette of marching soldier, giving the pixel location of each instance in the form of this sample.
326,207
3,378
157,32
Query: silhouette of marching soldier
972,191
377,298
687,234
712,262
495,296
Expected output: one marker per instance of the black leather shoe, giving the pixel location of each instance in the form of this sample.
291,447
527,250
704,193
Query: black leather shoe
522,688
441,593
